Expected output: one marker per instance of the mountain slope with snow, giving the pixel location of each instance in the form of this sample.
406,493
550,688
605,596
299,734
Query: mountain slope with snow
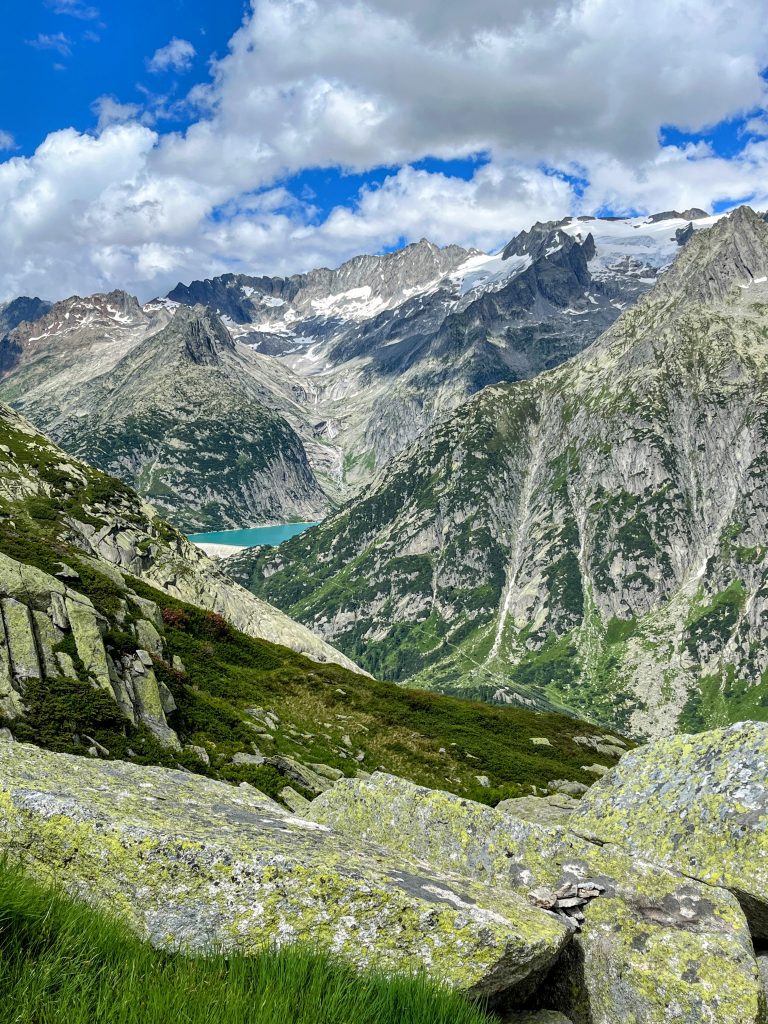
356,362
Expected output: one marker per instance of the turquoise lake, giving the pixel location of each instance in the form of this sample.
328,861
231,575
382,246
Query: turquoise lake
272,535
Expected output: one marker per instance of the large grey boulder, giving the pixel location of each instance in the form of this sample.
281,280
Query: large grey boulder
696,803
194,863
653,946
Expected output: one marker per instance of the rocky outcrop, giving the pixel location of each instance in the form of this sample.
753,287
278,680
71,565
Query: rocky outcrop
192,863
43,620
648,944
594,538
698,804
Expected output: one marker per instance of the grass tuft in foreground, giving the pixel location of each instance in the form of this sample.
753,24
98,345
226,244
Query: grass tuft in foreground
62,962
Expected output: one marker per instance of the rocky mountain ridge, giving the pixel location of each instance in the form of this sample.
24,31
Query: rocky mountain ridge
593,538
336,370
380,375
187,418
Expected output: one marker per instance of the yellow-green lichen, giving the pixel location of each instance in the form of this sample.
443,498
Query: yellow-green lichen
648,923
195,863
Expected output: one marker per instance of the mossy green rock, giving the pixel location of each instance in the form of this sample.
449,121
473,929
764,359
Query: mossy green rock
20,636
655,948
696,803
195,863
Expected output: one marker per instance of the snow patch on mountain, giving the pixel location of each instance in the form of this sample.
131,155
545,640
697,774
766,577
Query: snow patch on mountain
638,247
488,272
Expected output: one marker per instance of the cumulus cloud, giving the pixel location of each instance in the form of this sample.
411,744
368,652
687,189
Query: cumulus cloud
7,141
386,81
176,55
109,110
546,90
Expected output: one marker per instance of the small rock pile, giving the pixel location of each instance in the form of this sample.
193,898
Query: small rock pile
567,902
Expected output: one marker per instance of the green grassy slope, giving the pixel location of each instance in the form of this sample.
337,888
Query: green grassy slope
327,714
63,963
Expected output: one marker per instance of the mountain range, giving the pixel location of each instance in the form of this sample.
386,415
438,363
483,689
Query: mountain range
312,383
548,456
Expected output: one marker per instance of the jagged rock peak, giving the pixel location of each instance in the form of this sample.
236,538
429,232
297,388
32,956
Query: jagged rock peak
21,310
104,309
694,213
544,238
732,253
201,333
115,304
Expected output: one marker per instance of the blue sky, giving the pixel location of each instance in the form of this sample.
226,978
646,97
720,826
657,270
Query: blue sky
146,143
60,58
45,88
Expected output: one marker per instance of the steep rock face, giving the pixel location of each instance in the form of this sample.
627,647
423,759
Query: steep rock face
593,538
649,944
43,620
387,346
195,863
180,419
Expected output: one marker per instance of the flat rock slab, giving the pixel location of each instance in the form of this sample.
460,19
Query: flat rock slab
544,810
655,947
698,804
194,863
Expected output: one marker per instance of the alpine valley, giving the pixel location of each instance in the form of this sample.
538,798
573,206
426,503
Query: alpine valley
542,482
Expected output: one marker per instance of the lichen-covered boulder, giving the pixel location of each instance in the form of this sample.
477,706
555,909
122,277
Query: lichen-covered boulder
654,947
194,863
543,810
696,803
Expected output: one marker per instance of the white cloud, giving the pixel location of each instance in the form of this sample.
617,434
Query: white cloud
387,82
7,141
109,111
566,84
176,55
75,8
57,41
678,177
757,126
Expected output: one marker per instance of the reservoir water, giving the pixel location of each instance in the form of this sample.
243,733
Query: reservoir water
272,535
